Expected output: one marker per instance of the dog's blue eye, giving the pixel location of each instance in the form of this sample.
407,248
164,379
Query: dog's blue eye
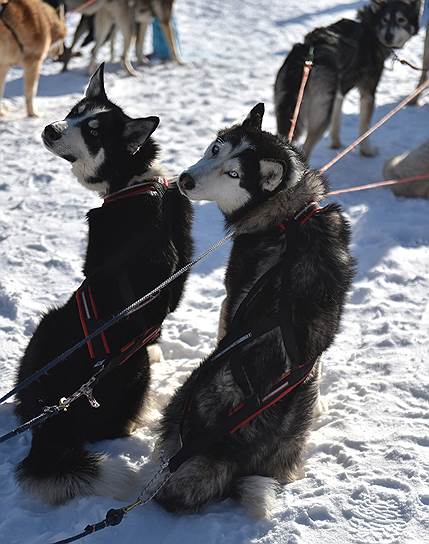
233,174
215,149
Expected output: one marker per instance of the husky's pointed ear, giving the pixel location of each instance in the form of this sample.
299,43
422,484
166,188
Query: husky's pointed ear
271,174
95,87
254,119
137,131
376,5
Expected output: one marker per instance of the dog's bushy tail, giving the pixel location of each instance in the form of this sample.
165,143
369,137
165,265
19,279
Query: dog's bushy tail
257,494
56,475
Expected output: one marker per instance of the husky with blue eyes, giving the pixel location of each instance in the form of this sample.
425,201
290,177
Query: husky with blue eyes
347,54
297,272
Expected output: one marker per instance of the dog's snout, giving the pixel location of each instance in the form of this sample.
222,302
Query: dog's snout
187,182
52,133
389,37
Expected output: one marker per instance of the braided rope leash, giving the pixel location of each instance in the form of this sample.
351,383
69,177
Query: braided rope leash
308,65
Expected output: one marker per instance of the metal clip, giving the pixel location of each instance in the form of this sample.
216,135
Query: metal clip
91,399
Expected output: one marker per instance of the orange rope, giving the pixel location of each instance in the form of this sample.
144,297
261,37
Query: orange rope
377,184
308,65
377,125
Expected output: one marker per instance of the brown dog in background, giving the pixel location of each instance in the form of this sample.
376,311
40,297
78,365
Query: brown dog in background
30,30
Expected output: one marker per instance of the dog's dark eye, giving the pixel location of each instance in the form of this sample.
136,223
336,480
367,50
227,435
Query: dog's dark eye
401,20
93,132
233,174
215,149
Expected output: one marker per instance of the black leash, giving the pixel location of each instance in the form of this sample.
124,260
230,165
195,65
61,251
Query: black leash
3,8
86,390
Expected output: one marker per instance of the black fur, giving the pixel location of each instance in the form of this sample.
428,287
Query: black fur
317,275
144,239
347,54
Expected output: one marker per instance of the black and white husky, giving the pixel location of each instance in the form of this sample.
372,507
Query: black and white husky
347,54
259,183
136,239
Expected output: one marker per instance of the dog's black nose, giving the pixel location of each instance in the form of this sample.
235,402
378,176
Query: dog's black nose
186,182
389,37
51,133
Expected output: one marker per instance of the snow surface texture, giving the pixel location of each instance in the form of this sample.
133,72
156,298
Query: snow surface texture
367,471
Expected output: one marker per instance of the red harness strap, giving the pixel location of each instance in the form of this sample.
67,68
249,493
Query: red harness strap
152,186
98,347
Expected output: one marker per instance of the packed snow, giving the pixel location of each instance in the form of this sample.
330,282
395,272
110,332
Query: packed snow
367,466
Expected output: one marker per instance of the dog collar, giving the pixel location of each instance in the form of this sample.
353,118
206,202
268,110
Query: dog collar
302,216
155,187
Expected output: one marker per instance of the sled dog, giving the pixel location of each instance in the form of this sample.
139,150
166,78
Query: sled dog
139,237
260,183
131,19
347,54
30,30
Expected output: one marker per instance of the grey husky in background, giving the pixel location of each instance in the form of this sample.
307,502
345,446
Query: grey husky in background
259,182
347,54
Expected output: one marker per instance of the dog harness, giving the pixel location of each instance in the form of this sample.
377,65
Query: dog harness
99,348
240,335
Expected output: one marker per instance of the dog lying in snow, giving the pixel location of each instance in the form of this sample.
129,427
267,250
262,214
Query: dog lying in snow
137,239
260,183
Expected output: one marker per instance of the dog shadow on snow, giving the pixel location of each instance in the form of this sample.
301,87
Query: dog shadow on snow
51,85
60,83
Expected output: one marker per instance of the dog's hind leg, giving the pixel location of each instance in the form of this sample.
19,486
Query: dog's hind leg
142,26
31,81
367,101
3,72
221,331
318,123
336,121
425,69
112,44
197,482
125,26
103,24
257,494
84,27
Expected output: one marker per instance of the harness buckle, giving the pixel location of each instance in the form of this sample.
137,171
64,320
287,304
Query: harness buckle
90,397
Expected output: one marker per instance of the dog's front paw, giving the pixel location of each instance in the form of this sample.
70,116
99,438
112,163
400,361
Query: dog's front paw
155,354
336,144
368,151
321,407
33,113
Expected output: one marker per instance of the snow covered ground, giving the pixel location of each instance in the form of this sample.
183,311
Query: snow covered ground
367,470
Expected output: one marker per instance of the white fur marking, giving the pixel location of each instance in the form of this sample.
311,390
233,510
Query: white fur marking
258,495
